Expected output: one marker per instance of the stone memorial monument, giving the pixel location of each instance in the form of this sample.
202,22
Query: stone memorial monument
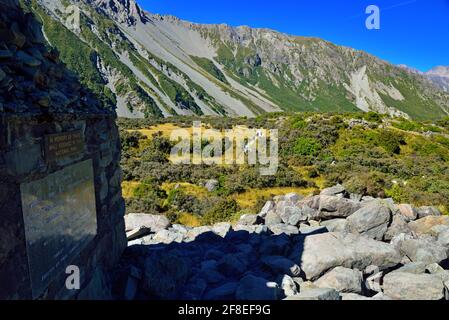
60,197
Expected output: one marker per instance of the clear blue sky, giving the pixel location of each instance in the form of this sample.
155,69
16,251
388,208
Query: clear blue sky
413,32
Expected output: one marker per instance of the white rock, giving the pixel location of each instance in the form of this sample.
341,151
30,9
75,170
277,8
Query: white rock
443,238
289,286
341,279
408,286
424,250
335,225
371,220
266,208
334,207
332,191
148,221
323,252
222,228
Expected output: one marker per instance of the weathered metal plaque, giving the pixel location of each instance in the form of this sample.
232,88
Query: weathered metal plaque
60,219
65,144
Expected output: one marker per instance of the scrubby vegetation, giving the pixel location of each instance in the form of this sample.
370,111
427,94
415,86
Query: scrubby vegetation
368,153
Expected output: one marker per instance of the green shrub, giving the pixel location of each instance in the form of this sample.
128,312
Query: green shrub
307,147
391,141
407,125
370,184
373,117
223,211
397,193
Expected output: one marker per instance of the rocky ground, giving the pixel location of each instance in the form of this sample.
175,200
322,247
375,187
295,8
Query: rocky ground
333,246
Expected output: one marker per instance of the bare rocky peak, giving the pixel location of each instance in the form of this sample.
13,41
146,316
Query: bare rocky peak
441,71
409,69
123,11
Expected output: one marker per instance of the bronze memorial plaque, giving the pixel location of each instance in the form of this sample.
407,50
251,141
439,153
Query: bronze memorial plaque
60,219
65,144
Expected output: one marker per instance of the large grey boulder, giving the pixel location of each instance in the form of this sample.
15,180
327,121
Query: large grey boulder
443,238
438,229
341,279
193,233
334,191
316,294
151,222
413,267
335,225
292,198
372,220
272,218
424,250
255,288
335,207
292,215
167,236
319,253
248,220
222,229
311,202
408,286
281,265
282,228
398,226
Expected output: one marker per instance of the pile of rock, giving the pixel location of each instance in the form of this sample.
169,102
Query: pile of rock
32,79
331,246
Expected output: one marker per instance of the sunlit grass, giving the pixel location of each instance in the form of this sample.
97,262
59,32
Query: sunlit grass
128,188
189,220
188,188
249,198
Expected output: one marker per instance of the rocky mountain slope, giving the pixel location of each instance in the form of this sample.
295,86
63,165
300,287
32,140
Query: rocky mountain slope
152,65
332,246
438,75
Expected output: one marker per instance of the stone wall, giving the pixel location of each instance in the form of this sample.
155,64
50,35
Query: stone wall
40,97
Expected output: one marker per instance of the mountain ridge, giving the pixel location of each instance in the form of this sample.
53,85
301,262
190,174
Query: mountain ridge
171,66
